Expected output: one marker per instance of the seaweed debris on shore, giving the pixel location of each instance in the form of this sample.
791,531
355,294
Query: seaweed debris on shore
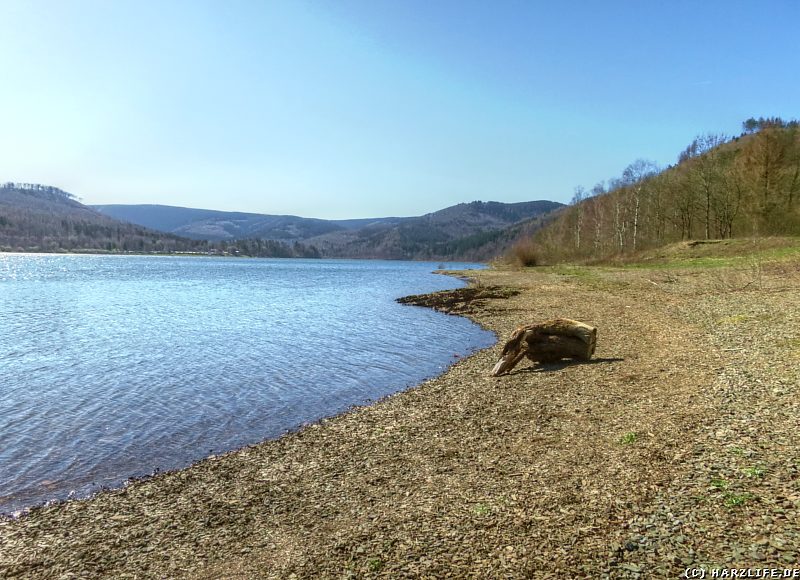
461,300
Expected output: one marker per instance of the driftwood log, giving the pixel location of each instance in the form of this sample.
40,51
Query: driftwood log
548,341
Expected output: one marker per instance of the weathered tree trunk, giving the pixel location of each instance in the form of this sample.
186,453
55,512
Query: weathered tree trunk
548,342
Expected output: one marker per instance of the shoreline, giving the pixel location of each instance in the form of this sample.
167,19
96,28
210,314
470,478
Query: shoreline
18,502
580,469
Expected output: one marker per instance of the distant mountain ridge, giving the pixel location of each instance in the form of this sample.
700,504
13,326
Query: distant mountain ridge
215,225
468,230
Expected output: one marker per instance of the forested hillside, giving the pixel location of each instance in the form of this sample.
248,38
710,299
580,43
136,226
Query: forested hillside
37,217
720,188
467,231
470,231
41,218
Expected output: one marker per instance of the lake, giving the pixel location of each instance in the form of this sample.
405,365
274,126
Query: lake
117,366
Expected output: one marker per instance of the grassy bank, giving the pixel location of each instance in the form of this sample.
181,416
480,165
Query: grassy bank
676,446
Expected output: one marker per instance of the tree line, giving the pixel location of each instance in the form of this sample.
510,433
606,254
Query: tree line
37,187
720,187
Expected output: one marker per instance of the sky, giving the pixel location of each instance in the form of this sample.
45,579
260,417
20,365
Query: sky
345,109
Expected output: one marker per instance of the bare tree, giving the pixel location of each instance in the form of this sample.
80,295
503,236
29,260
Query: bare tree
634,178
598,207
706,172
577,202
765,160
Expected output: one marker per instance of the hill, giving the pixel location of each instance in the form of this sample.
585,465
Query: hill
469,231
213,225
476,230
36,217
720,188
41,218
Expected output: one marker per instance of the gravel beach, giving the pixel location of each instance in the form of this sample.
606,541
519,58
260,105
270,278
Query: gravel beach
677,446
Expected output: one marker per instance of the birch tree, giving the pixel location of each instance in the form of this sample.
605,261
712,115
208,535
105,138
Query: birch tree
634,178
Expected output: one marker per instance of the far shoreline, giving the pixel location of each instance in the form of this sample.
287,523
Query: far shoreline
211,255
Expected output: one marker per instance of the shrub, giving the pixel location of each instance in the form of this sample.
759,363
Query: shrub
524,253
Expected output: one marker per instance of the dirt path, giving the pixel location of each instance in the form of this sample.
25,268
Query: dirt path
667,450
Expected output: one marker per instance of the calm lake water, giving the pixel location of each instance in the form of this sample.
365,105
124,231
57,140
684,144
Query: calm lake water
115,366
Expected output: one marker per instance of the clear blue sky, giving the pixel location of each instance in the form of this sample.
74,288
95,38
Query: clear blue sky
347,108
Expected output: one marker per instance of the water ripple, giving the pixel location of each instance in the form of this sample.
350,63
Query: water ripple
114,366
